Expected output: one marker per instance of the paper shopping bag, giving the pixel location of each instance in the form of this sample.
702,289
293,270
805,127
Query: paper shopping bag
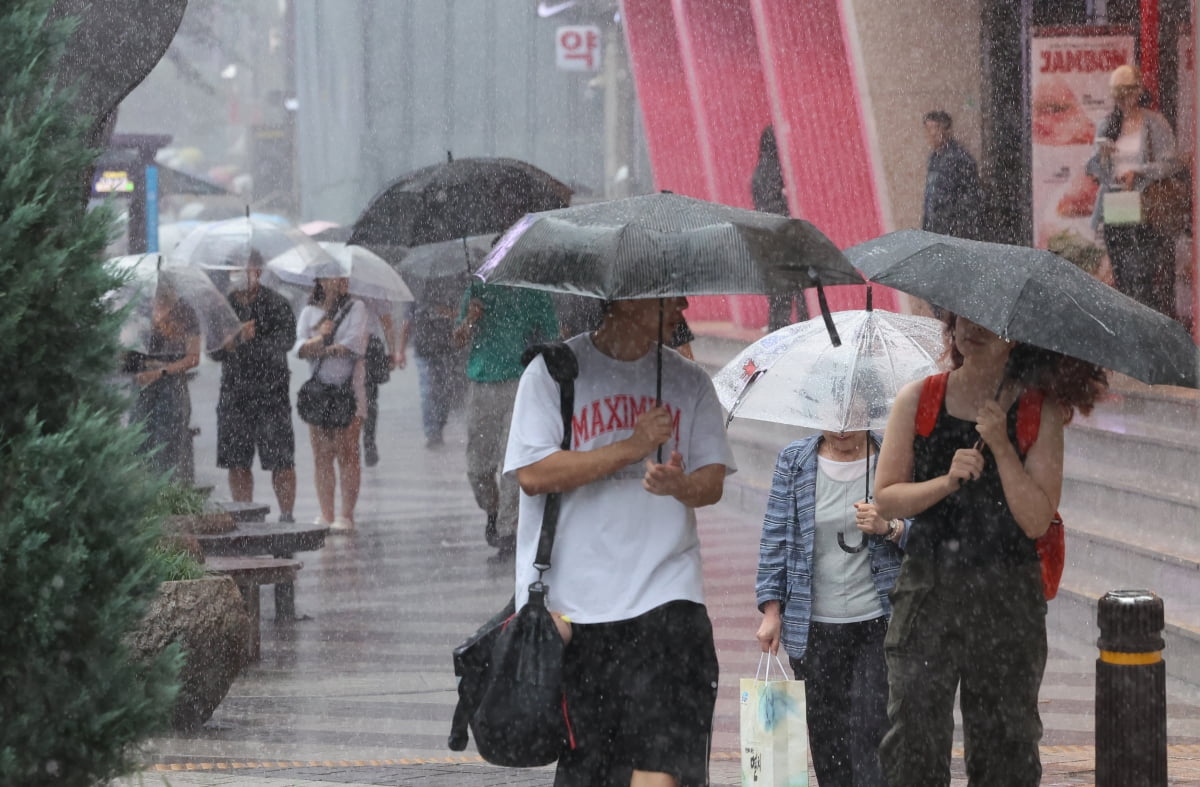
774,733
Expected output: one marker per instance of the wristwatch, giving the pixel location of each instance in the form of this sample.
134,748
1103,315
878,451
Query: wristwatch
892,528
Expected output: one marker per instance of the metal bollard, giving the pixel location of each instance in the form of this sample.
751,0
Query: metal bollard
1131,691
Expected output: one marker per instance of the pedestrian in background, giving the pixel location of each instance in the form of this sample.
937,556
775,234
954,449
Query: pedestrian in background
1135,148
497,323
254,411
428,326
770,196
163,405
333,332
828,607
969,610
384,354
953,194
640,667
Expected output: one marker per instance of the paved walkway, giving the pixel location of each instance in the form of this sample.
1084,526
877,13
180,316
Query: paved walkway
361,690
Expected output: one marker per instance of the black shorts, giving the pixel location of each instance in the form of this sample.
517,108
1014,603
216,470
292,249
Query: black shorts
640,696
243,428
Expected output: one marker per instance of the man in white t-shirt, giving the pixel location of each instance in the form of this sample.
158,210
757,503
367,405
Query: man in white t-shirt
640,667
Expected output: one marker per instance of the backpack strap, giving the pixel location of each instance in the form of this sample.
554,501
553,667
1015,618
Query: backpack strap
1029,418
933,393
564,368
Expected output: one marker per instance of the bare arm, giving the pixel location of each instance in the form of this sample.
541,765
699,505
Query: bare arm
563,471
1032,490
395,348
896,495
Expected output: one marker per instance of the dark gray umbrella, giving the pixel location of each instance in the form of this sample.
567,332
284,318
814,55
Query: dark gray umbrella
457,198
1034,297
449,260
665,245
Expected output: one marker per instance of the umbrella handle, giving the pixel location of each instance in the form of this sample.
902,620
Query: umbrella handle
658,365
827,316
850,549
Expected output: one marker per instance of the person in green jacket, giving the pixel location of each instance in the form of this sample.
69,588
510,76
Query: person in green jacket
497,323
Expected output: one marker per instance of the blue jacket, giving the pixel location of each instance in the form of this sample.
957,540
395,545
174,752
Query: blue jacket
786,551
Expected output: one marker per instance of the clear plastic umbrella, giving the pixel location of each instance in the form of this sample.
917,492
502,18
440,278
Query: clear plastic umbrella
796,376
150,279
226,245
370,275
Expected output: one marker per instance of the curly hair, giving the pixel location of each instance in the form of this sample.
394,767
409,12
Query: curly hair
1073,384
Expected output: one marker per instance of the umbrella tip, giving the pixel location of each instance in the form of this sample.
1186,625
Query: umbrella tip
870,307
247,210
449,156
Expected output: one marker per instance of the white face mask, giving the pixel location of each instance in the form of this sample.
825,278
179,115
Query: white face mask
238,280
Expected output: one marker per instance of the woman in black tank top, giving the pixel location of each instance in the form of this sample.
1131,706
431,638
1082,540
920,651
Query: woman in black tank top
968,607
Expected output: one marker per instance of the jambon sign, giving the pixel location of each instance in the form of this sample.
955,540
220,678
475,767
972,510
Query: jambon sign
1069,99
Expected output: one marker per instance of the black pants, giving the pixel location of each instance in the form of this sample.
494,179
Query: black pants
372,415
982,631
845,688
1143,264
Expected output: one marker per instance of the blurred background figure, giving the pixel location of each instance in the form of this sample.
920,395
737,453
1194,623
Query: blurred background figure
333,333
953,194
384,353
497,323
163,405
1134,151
254,411
770,196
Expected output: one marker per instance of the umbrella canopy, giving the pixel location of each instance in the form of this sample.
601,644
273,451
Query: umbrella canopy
796,376
148,277
1034,297
226,245
449,261
664,245
469,196
370,276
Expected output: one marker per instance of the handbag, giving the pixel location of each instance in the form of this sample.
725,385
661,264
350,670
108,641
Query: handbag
774,729
327,405
510,689
1167,205
377,361
1051,545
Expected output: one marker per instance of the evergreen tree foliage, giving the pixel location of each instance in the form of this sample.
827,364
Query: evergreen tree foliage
76,571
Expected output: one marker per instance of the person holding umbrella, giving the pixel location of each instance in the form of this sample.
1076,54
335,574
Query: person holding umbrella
640,668
969,607
254,411
333,335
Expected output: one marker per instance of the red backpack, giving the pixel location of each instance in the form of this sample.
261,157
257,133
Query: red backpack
1052,545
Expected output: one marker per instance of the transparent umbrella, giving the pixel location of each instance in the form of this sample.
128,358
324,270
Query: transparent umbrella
151,281
226,245
370,275
797,376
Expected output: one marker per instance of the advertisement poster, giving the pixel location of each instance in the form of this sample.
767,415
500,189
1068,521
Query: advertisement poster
1186,97
1069,99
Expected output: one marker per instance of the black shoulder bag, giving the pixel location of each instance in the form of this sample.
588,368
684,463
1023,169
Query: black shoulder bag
509,672
327,405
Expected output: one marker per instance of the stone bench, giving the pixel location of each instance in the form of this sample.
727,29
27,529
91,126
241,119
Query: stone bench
277,540
249,574
244,512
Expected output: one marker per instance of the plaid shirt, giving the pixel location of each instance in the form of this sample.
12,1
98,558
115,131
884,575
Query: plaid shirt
785,558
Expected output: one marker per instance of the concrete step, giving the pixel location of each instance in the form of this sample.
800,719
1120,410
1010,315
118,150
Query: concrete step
1119,507
1160,455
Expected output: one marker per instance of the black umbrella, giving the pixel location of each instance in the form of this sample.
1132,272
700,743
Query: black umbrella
448,261
468,196
1033,297
665,245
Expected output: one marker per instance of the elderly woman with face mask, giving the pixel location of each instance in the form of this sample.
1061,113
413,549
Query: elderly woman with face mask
333,338
1135,147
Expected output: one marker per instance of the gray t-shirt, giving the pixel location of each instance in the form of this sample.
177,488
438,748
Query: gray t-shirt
842,588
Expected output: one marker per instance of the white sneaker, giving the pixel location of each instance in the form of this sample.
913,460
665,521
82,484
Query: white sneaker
320,522
341,525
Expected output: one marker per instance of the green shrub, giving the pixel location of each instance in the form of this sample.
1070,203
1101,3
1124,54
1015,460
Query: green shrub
76,533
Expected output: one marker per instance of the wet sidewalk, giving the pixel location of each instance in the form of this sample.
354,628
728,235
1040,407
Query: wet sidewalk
360,690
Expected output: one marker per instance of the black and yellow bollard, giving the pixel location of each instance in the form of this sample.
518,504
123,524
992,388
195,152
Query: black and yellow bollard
1131,691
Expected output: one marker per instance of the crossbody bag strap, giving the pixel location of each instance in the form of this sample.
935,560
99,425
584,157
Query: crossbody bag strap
337,323
564,368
